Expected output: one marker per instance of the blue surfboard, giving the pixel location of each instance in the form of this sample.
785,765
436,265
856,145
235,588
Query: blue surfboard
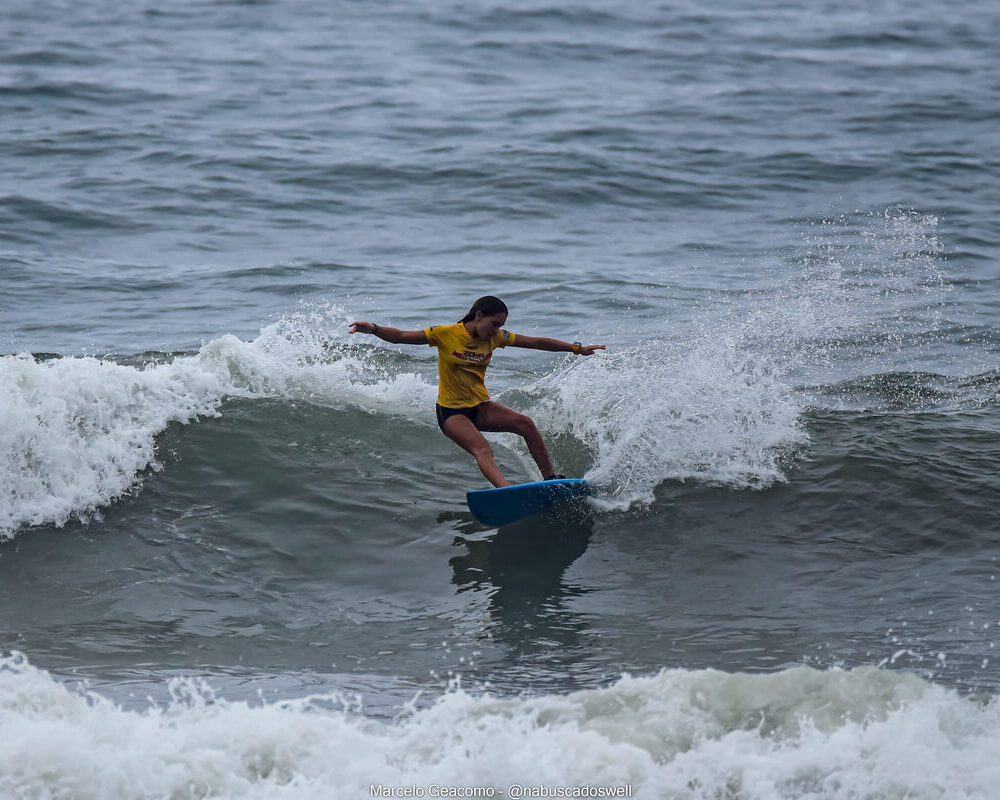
511,503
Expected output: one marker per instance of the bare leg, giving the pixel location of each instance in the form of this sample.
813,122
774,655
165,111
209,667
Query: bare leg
496,418
460,430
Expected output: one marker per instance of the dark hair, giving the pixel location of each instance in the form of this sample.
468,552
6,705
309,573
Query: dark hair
488,306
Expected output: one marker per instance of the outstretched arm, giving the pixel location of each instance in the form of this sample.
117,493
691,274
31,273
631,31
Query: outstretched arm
387,334
555,345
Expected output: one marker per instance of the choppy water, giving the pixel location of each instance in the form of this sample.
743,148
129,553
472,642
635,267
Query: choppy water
236,559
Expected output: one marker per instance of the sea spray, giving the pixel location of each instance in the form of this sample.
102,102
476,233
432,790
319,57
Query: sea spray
676,410
721,400
866,293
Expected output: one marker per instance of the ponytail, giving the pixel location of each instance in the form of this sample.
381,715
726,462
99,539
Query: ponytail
488,306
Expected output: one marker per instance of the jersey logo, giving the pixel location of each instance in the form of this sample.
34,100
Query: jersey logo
468,355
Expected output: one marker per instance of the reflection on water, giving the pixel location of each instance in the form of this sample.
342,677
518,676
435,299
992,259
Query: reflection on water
523,566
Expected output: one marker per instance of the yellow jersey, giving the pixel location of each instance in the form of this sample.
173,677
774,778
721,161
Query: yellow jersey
462,363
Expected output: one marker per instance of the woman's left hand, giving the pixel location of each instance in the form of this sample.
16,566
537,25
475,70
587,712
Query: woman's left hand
588,349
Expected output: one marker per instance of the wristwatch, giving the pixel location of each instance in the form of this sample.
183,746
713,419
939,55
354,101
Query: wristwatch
576,347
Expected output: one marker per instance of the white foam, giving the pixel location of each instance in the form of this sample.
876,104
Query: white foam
676,410
800,733
78,432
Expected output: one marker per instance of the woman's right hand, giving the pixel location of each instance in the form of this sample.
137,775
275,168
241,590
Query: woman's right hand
362,327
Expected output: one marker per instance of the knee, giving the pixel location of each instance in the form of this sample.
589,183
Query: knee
481,450
525,426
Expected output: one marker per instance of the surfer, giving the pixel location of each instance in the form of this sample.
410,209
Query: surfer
464,408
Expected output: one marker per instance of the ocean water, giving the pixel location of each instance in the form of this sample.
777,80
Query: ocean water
235,556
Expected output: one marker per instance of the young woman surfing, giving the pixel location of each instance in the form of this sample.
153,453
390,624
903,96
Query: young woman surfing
464,408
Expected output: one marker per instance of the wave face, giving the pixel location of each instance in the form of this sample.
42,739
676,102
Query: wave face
80,430
827,735
719,397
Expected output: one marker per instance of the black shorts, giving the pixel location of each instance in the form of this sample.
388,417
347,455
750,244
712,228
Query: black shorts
472,412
